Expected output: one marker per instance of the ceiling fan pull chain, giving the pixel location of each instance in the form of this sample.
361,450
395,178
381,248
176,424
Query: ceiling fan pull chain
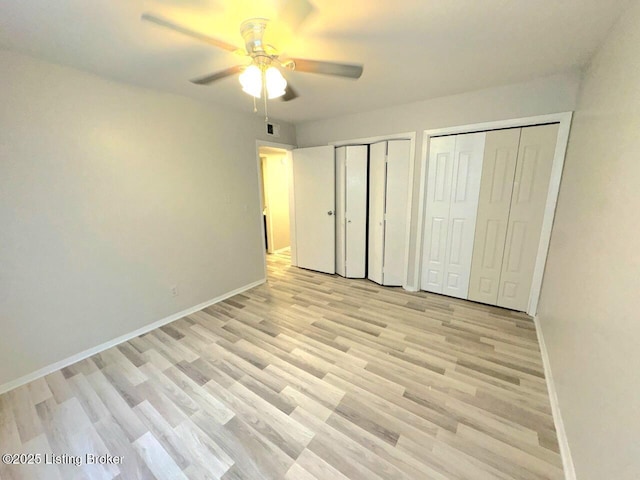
264,95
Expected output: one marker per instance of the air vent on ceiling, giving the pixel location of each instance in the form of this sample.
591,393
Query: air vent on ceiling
273,129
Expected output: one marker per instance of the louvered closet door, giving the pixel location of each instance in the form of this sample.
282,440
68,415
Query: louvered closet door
499,166
529,197
465,190
341,206
377,183
396,204
356,210
434,248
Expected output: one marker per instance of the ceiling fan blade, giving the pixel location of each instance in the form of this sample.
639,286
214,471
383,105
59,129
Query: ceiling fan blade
163,22
294,12
289,94
327,68
207,79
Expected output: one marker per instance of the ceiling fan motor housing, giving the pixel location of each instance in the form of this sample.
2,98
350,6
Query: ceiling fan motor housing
252,31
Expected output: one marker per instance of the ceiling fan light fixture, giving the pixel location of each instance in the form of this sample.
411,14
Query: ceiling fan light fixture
276,83
251,81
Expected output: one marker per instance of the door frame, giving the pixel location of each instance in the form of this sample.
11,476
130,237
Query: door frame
288,148
411,136
564,120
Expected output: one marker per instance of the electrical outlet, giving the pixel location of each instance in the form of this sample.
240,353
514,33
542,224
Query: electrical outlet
174,291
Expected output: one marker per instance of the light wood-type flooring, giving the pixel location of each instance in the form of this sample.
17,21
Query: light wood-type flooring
309,376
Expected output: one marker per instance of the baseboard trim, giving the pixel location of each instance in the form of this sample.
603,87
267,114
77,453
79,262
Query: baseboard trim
123,338
563,441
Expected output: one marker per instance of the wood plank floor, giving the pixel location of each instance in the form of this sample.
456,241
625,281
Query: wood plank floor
309,376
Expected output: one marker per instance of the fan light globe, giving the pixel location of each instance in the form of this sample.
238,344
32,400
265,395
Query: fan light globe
276,84
251,81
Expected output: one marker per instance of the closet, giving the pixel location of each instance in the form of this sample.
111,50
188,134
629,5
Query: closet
351,211
486,197
388,204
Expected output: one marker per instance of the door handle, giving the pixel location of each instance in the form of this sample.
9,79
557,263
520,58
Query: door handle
330,212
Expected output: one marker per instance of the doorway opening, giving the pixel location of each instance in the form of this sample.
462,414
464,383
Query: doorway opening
275,177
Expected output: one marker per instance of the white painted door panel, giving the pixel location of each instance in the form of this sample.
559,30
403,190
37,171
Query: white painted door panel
396,202
438,204
377,182
314,198
499,166
465,190
356,210
341,206
528,201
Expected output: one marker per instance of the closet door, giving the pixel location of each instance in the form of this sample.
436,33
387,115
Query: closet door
453,187
434,248
528,201
396,203
465,190
499,166
314,184
377,187
356,210
341,206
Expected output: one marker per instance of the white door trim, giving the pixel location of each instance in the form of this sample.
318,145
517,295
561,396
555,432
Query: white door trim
283,146
407,284
564,119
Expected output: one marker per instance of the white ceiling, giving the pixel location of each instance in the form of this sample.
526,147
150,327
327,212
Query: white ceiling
411,49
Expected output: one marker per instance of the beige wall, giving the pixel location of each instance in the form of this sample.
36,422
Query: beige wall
109,195
553,94
276,192
590,304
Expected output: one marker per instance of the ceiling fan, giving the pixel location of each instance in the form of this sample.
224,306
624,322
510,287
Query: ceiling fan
262,75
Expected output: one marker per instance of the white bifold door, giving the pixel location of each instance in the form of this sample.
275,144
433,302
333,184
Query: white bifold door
388,202
351,211
453,187
515,186
486,199
500,155
314,206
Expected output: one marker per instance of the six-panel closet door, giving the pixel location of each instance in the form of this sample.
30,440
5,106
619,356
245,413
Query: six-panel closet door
513,195
528,202
499,167
453,188
388,202
439,176
351,210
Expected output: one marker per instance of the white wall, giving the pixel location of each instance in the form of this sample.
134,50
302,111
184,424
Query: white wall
276,192
553,94
109,195
590,304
